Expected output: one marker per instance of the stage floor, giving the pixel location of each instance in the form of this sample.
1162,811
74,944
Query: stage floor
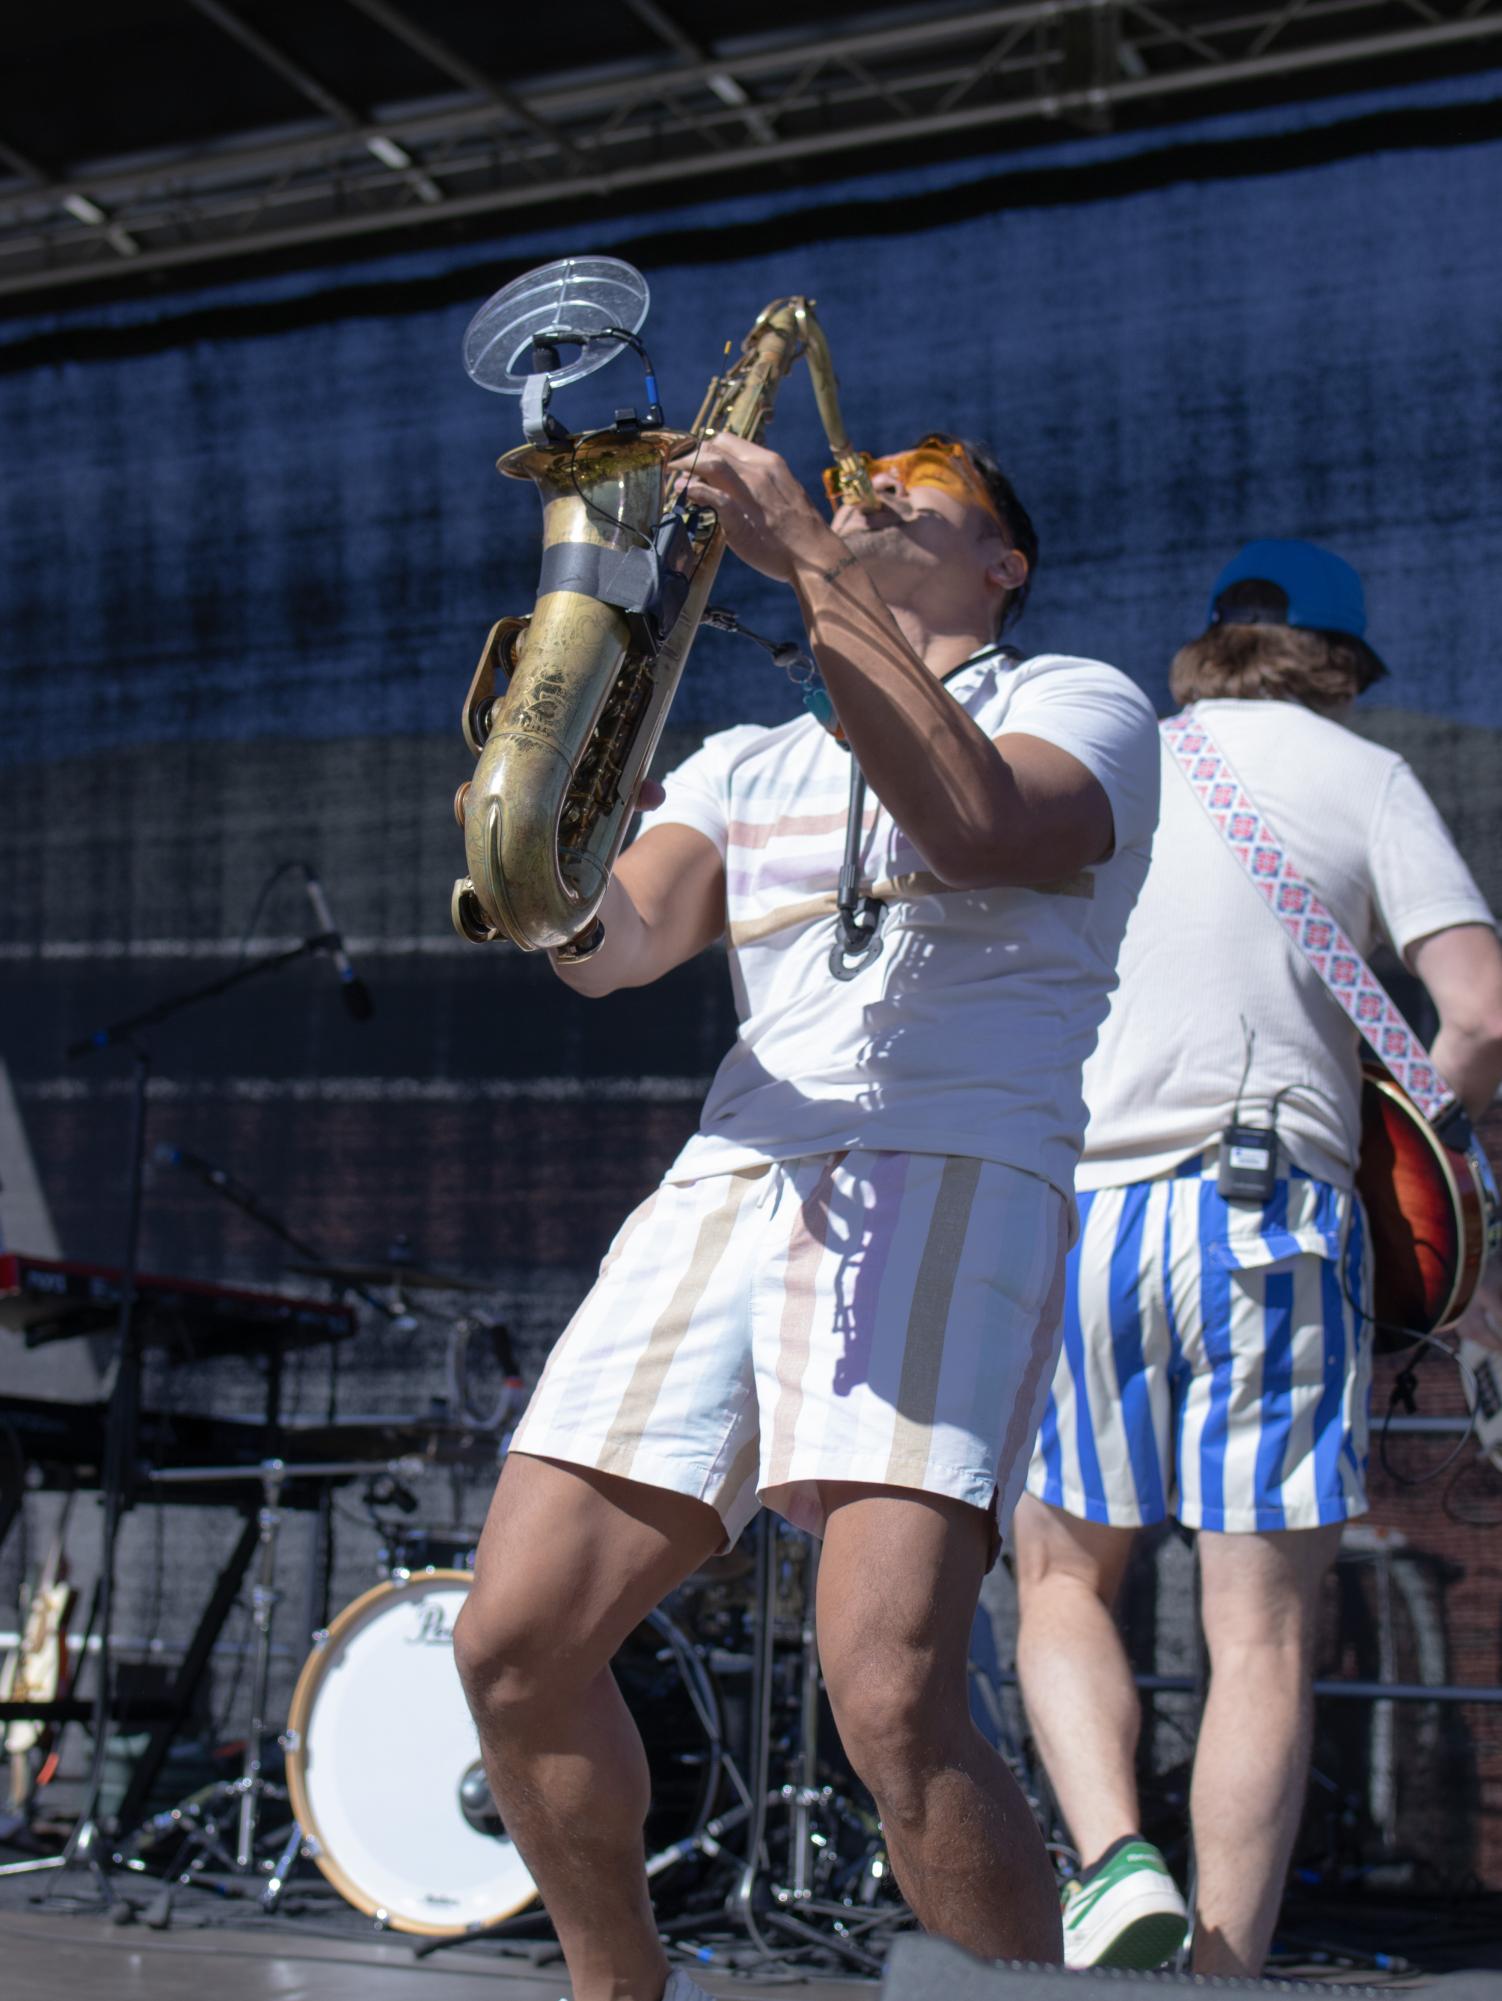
56,1945
78,1958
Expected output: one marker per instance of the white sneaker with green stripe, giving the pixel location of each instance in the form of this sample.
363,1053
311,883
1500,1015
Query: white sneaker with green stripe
1126,1912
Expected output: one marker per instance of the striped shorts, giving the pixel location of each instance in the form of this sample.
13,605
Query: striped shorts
880,1317
1217,1358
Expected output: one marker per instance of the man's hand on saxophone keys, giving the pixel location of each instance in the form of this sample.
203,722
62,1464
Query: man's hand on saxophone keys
767,518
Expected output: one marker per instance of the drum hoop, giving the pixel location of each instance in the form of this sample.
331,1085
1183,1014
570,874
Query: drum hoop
309,1681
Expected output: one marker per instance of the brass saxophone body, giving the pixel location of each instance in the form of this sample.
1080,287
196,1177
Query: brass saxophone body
567,704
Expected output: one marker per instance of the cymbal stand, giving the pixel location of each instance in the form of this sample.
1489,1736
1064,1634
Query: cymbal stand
248,1790
263,1603
742,1902
252,1786
794,1902
245,1199
122,1424
804,1794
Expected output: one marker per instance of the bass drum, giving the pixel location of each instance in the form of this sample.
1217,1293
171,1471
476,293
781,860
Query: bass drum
383,1760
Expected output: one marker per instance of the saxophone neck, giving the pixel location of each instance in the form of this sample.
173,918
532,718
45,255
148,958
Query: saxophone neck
741,400
852,466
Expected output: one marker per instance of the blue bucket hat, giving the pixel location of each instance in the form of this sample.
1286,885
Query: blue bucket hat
1323,592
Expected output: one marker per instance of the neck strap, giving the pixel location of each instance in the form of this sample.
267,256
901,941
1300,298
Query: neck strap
1314,929
858,916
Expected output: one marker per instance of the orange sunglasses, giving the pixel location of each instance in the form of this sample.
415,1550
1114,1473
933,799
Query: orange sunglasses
933,461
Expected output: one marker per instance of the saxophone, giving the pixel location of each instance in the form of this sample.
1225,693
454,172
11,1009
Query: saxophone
567,703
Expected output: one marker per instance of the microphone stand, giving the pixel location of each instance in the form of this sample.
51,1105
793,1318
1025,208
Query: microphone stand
81,1849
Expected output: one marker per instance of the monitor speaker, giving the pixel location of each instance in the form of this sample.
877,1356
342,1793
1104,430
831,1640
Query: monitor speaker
930,1969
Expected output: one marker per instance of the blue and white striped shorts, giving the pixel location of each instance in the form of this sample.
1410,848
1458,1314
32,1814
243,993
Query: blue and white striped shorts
1216,1361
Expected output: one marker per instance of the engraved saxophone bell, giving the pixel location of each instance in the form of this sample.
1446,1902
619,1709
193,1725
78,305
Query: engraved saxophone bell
567,704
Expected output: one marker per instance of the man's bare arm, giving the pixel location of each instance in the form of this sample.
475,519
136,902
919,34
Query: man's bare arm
982,812
1462,968
665,903
1017,811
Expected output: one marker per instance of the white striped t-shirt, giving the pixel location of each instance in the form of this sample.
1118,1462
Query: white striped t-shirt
967,1033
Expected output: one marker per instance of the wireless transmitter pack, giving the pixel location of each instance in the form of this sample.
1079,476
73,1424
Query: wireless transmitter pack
1248,1165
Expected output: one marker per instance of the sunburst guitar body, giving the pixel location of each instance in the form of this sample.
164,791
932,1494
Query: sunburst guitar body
1433,1214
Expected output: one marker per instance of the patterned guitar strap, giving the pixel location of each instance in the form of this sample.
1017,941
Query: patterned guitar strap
1314,929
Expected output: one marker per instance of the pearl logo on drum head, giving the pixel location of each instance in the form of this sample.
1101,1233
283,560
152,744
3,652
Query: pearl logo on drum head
433,1627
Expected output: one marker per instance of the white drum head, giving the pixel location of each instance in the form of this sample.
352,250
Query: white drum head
384,1741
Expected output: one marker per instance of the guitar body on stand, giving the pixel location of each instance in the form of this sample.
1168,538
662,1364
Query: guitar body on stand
38,1671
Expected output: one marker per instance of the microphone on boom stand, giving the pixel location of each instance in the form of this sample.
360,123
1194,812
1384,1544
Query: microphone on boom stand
355,992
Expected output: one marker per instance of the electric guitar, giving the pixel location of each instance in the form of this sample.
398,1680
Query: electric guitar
37,1670
1433,1212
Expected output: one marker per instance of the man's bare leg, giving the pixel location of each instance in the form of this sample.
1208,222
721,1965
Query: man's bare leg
569,1563
1259,1602
1076,1679
898,1584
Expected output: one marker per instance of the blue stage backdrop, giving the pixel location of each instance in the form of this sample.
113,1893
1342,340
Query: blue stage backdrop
252,541
253,538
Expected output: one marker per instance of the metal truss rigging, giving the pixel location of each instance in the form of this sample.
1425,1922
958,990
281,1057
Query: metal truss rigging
683,114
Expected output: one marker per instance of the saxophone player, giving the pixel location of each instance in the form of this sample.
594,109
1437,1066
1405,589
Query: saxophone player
843,1301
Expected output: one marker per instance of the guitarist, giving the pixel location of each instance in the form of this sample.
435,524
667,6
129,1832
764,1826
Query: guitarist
1216,1358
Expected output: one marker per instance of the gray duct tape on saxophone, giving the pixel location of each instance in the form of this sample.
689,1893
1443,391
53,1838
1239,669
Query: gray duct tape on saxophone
648,584
630,579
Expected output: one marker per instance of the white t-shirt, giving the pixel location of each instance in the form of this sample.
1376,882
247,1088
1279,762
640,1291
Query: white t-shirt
967,1033
1203,953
